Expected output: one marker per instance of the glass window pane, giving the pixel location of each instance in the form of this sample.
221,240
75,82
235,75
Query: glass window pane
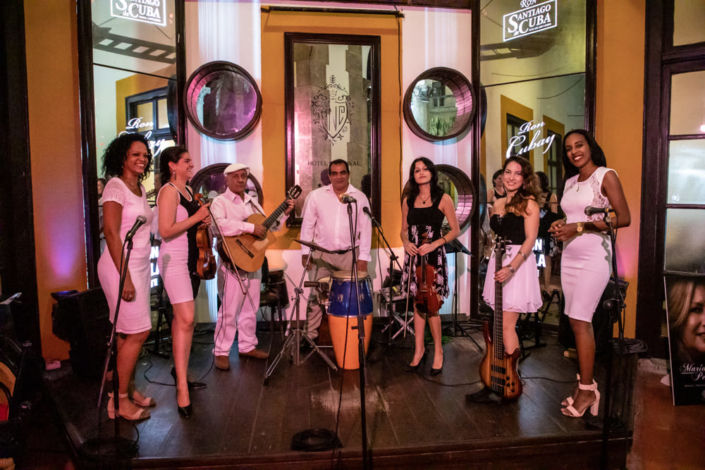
531,39
162,114
686,172
145,112
688,21
687,109
685,244
135,35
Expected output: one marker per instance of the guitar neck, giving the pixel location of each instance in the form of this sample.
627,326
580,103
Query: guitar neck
498,310
269,221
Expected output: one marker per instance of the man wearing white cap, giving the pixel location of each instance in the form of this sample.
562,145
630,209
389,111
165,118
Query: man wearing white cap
238,312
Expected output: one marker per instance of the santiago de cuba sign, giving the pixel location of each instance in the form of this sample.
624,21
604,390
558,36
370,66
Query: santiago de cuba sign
145,11
531,19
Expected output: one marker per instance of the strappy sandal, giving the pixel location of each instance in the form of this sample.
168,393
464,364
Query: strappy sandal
147,402
138,415
569,401
594,407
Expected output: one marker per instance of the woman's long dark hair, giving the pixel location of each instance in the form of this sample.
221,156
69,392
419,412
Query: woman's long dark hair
115,155
596,153
543,180
436,190
170,154
529,190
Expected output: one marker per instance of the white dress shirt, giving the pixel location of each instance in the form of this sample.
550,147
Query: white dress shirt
326,221
231,213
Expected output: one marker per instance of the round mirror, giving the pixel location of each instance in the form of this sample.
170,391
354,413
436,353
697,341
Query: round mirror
210,181
458,186
223,101
439,104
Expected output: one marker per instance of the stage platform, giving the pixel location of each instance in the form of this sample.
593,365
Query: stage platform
414,421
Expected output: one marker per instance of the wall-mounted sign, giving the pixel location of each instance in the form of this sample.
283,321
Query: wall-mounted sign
531,19
145,11
515,143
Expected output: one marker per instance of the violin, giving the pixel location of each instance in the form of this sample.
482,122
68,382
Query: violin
206,265
427,299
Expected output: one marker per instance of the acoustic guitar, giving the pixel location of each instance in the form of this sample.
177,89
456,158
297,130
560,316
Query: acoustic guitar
248,250
498,369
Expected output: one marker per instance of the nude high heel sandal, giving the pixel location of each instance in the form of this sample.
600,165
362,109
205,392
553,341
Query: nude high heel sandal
138,415
594,406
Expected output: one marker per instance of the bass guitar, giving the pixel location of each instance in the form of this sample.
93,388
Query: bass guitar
246,251
498,369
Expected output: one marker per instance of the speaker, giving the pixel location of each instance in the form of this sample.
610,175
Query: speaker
84,319
601,320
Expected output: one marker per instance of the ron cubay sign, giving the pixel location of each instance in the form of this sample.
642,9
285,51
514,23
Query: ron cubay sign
530,20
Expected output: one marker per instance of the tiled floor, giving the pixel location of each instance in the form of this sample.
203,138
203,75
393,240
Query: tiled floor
665,436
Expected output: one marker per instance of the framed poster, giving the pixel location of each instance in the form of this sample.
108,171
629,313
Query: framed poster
685,307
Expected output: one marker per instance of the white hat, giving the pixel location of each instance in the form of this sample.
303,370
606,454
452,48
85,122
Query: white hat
236,167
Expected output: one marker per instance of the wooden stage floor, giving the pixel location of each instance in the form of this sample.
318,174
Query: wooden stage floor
414,421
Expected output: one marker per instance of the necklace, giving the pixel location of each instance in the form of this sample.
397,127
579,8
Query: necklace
423,201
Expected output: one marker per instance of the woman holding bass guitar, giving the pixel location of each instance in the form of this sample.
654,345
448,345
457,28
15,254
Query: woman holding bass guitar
516,220
425,267
180,216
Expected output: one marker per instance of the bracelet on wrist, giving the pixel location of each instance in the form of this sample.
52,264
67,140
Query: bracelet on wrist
511,268
523,255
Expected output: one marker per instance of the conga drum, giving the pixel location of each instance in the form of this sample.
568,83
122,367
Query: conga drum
342,316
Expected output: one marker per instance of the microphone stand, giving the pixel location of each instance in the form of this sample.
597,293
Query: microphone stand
617,305
361,341
123,448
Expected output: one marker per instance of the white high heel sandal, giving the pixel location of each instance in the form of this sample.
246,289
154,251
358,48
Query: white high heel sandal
569,401
594,407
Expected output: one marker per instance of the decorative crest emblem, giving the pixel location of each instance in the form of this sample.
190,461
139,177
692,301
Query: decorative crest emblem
331,110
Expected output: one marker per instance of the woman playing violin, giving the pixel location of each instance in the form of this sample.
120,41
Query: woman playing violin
423,212
179,218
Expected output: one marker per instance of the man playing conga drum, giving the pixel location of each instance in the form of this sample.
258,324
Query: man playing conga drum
326,223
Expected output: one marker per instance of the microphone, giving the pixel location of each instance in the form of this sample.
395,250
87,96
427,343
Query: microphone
366,210
347,199
141,220
589,210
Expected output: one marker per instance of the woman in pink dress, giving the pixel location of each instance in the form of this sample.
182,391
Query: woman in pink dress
587,254
126,163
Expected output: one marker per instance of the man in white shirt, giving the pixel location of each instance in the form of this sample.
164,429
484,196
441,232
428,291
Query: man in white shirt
238,311
326,224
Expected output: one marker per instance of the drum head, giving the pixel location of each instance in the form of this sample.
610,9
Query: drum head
348,275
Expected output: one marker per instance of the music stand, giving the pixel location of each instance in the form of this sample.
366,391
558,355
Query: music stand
455,247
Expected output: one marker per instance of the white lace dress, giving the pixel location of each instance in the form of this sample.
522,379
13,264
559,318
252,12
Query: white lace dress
586,259
134,317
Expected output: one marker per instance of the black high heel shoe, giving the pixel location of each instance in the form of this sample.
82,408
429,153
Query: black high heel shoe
191,385
435,372
410,368
184,411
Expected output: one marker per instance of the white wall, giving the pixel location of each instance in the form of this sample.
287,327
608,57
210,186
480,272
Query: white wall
230,30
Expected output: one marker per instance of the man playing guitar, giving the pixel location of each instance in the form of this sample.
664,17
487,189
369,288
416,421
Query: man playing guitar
239,291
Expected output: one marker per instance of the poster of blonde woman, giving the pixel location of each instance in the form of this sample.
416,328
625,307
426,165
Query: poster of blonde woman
685,303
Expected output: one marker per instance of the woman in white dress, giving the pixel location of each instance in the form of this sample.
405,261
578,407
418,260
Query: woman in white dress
516,220
179,218
126,163
587,254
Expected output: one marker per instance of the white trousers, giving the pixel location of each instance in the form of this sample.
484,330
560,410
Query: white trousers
236,312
